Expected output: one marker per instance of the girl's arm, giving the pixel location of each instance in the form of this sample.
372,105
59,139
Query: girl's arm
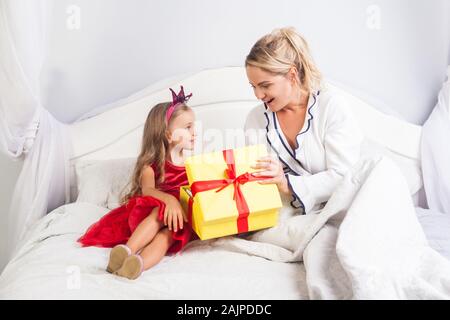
173,214
148,186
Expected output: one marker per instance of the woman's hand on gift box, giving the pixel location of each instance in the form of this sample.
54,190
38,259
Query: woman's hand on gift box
272,168
173,214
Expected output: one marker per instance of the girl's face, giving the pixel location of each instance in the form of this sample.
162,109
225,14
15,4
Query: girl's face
182,130
277,91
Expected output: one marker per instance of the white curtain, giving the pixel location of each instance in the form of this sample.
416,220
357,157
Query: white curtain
28,132
436,152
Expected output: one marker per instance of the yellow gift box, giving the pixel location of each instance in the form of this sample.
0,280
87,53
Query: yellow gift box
223,198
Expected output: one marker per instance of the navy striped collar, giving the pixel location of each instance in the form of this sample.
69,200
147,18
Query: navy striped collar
278,142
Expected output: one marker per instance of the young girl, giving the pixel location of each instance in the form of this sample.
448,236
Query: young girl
150,222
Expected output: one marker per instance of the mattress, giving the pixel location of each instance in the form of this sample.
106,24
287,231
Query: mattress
51,265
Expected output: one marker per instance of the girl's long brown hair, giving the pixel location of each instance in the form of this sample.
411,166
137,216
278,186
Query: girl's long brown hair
154,148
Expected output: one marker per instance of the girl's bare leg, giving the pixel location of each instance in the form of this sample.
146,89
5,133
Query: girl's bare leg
145,232
155,251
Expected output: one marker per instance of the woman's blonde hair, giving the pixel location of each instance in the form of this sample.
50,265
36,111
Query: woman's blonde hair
282,49
154,148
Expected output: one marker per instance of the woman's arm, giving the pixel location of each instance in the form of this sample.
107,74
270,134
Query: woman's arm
342,144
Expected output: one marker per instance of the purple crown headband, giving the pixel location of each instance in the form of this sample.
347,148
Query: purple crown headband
177,99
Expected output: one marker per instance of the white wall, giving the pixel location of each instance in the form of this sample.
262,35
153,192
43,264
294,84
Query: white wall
447,27
123,46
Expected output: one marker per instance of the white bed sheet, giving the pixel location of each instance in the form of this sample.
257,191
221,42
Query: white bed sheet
436,226
51,265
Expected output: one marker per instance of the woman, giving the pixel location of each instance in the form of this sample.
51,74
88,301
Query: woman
313,137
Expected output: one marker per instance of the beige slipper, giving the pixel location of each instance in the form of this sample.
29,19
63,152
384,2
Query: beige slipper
117,256
132,267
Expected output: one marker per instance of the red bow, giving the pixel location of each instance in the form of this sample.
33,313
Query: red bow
241,204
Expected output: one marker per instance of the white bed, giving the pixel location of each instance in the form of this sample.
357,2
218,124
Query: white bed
50,264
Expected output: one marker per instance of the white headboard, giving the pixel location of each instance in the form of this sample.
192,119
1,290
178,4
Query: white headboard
224,97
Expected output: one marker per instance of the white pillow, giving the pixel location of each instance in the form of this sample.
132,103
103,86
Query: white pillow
102,182
409,167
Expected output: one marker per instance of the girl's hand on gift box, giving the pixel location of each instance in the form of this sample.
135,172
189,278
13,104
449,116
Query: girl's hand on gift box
271,167
173,214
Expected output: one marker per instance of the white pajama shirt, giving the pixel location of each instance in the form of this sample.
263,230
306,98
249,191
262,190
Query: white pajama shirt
328,146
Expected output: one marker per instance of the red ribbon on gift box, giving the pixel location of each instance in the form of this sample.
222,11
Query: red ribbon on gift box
236,181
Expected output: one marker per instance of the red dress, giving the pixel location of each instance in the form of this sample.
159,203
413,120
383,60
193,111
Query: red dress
117,226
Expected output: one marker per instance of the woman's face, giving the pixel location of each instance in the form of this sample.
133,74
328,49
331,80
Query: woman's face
182,130
277,91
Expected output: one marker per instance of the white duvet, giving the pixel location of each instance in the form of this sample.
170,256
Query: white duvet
366,243
51,265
